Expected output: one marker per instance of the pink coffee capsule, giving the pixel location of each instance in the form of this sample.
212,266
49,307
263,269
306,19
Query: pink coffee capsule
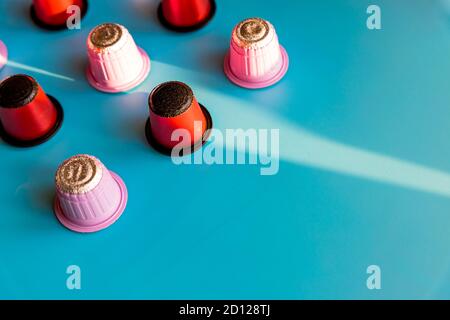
3,54
116,63
256,59
89,197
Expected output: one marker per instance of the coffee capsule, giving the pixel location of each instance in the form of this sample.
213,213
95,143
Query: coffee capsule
256,59
186,15
28,116
54,14
177,119
116,63
89,197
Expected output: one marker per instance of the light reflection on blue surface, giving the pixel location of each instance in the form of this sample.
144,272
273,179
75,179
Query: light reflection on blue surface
306,148
19,67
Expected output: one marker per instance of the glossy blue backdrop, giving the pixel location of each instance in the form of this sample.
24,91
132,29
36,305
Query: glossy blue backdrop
364,119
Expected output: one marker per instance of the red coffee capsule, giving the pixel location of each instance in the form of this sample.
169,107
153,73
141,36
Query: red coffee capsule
177,119
53,15
28,116
186,15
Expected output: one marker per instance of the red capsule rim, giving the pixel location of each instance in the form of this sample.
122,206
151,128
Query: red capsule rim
195,27
6,137
52,27
195,147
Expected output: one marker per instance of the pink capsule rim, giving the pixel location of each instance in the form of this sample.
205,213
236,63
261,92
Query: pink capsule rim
3,54
69,224
126,87
262,83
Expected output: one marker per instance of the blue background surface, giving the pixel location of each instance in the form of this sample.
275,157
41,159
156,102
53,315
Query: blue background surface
364,119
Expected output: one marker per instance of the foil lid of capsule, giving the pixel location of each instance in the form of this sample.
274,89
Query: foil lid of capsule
17,91
79,174
253,32
107,37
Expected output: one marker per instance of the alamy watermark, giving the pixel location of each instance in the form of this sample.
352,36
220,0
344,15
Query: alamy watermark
257,147
73,281
374,20
74,20
374,279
